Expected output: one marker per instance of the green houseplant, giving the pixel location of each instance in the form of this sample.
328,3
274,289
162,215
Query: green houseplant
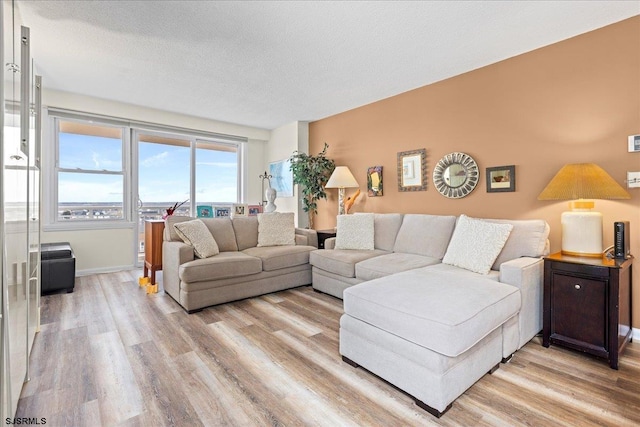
311,173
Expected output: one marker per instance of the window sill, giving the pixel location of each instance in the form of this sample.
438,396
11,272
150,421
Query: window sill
88,225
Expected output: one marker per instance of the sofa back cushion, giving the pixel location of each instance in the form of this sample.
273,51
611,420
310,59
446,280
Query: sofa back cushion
246,229
222,231
386,228
427,235
527,238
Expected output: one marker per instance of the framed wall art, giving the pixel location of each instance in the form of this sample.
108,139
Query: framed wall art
281,178
374,181
412,170
501,179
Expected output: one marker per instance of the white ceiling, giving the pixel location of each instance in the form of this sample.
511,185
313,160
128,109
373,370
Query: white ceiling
269,63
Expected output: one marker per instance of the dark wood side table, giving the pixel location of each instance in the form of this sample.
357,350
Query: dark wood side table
587,304
324,235
153,230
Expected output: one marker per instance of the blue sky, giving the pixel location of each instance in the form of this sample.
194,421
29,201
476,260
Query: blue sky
163,172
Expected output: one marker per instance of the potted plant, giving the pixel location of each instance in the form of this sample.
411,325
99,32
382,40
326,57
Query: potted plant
311,173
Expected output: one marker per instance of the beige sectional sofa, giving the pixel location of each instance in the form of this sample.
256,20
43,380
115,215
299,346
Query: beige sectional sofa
240,270
429,327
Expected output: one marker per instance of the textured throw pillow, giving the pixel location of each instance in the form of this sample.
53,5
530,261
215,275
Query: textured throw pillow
196,234
475,244
276,229
355,232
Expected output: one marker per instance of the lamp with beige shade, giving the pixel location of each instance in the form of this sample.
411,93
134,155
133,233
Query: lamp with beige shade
582,227
341,178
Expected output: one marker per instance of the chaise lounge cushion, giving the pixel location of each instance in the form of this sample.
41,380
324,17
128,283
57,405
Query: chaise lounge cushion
341,261
388,264
426,235
429,310
222,266
278,257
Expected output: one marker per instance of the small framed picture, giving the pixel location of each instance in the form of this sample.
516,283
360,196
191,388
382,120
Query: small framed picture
205,211
254,210
634,144
239,209
223,211
374,181
501,179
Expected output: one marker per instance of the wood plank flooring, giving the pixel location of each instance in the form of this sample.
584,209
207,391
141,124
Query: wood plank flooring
108,354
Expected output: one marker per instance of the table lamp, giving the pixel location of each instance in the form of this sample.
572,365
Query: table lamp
341,178
582,227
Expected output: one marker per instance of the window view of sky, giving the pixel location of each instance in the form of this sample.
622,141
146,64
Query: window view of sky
164,172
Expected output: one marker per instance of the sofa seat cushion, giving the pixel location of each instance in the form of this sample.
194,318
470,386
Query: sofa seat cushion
388,264
278,257
445,313
341,261
222,266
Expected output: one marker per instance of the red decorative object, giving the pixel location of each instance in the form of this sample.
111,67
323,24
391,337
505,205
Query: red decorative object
173,208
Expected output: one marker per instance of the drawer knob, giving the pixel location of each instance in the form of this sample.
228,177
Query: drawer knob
577,286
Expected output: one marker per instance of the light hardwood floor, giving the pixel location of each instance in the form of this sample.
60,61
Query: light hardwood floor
108,354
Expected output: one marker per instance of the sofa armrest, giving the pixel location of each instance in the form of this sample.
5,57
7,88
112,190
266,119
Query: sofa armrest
174,254
527,274
330,243
307,237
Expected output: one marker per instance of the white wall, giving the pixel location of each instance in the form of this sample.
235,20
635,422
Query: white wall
283,142
113,249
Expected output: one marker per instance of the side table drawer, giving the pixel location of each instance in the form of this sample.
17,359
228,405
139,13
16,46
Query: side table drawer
579,312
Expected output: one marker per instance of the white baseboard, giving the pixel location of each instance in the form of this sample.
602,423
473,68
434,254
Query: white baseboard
111,269
636,334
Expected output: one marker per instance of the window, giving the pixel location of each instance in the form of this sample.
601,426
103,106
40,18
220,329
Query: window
115,173
89,171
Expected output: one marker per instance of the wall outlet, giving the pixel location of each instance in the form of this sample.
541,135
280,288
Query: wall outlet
633,179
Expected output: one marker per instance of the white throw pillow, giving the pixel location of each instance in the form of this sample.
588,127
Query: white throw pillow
276,229
196,234
355,232
475,244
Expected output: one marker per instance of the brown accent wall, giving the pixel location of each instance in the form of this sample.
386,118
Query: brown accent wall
571,102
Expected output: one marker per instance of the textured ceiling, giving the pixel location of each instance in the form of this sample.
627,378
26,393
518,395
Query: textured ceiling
266,64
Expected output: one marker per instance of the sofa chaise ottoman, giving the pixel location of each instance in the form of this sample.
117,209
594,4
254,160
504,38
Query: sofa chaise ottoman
431,335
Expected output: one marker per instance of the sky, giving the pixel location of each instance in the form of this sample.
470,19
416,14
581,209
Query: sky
164,172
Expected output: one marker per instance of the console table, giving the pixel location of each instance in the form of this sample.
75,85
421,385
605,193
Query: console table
587,304
153,230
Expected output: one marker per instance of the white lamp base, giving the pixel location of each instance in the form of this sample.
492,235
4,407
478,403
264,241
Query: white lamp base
341,210
582,233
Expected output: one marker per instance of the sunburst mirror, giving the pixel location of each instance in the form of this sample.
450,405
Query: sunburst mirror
456,175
